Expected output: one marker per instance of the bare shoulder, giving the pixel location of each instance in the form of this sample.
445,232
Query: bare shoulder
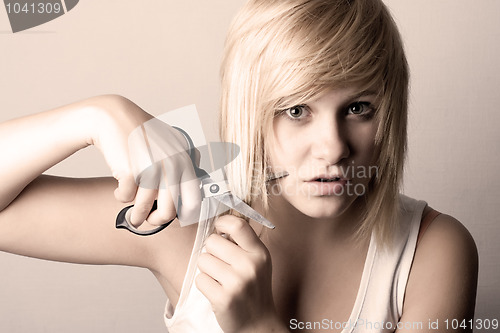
447,243
447,239
443,278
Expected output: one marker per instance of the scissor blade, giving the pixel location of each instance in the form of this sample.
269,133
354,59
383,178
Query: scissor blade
238,205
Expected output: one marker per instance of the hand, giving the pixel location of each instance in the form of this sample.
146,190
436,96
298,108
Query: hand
236,277
149,160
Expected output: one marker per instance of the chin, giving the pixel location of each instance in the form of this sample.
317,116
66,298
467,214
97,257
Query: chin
322,207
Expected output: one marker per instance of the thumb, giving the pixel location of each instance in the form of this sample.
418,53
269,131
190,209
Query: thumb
127,188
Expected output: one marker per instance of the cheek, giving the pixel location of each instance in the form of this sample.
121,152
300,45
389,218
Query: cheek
365,154
363,143
286,145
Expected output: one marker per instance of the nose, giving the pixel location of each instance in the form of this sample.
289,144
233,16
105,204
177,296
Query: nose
330,141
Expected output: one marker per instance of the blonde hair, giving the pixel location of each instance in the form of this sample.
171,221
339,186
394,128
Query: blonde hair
281,53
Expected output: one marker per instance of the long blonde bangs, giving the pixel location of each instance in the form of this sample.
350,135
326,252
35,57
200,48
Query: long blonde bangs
281,53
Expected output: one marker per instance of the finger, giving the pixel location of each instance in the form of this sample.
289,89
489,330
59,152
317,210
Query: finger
224,249
215,268
142,206
208,287
190,203
127,188
173,190
165,211
240,231
184,187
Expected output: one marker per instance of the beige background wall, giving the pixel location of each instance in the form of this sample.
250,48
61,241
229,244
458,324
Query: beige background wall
165,54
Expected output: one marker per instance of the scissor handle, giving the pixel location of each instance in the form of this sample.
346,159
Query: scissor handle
122,223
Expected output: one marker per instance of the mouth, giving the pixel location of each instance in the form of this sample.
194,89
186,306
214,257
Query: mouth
327,185
327,180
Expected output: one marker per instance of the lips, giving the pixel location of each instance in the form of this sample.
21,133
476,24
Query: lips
326,185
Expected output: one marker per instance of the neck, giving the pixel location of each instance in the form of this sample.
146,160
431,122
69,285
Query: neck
293,228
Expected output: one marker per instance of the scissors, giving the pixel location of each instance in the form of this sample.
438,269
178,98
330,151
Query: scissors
212,193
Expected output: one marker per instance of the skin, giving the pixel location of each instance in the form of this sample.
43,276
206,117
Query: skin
327,138
256,280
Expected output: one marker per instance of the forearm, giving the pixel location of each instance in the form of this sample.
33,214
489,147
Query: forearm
32,144
71,219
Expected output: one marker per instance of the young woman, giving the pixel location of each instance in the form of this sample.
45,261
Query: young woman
315,94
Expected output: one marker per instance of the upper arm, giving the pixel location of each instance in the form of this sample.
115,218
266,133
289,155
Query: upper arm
71,220
443,279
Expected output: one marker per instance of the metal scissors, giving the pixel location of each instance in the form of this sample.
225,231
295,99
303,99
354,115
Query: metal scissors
212,193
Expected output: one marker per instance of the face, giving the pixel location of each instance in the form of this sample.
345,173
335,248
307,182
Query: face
327,147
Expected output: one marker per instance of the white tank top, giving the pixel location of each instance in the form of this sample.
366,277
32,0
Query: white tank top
379,302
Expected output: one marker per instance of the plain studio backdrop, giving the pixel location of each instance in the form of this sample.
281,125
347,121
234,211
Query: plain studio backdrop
166,54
